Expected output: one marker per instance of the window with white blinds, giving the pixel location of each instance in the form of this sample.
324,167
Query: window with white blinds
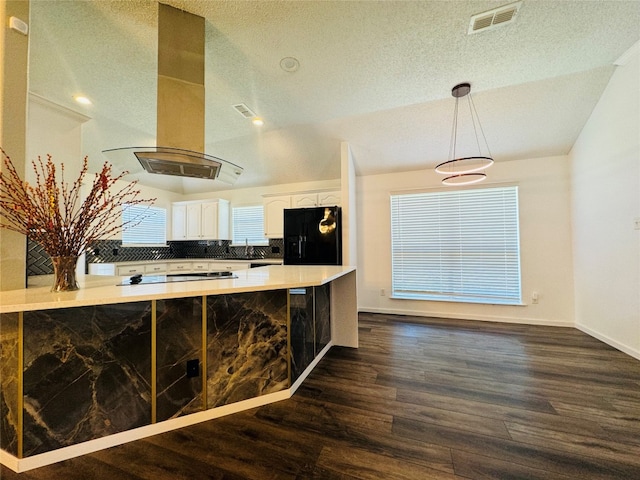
459,246
248,226
148,225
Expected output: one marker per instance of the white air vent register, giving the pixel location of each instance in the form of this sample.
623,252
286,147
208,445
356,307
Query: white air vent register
494,18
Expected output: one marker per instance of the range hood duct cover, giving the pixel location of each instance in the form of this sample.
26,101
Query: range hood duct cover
180,105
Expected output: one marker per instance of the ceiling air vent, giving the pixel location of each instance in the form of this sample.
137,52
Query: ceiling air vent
243,110
493,18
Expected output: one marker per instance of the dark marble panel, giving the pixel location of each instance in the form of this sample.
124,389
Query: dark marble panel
178,340
87,373
246,346
322,316
302,330
9,382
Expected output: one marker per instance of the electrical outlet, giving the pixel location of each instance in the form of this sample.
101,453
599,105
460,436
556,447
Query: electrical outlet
382,292
534,297
193,368
637,223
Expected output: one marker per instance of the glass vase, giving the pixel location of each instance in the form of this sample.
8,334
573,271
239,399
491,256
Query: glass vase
64,274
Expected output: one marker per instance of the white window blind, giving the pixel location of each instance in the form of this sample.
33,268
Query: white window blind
248,226
148,225
460,246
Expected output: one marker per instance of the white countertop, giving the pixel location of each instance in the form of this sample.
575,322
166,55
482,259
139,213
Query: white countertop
100,290
261,261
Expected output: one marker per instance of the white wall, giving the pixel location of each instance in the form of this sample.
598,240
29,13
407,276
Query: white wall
14,49
349,210
57,131
253,195
545,243
605,163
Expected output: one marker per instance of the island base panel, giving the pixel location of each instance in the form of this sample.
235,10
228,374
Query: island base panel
246,346
87,374
9,381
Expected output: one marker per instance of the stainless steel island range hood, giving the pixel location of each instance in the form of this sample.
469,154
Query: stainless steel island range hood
180,105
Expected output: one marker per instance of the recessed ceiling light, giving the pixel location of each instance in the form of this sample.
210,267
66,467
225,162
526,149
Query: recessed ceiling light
82,99
257,121
289,64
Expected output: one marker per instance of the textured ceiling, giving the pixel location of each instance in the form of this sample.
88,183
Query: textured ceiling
375,74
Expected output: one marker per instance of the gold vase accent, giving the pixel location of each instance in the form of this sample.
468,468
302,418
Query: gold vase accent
64,274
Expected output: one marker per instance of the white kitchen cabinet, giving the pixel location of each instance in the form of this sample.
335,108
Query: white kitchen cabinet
178,221
151,267
155,268
194,221
228,266
315,199
102,269
200,267
329,199
130,270
304,200
274,215
182,267
201,220
215,220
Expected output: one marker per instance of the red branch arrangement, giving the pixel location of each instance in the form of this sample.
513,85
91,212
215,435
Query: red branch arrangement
54,215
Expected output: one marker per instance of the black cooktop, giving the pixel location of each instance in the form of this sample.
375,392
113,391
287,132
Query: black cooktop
176,277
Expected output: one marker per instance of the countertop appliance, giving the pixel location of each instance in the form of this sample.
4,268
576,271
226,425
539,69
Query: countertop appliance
313,236
177,277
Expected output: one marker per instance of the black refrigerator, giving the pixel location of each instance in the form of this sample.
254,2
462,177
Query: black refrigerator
312,236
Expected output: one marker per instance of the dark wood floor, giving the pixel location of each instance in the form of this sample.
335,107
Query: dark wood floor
420,399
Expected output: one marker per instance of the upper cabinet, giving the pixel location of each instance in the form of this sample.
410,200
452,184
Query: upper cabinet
274,206
304,200
200,220
329,199
274,215
215,220
178,221
315,199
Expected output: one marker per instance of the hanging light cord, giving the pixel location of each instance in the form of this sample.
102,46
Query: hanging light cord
472,109
454,132
474,117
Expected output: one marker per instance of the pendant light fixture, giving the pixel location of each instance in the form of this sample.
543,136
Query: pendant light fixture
465,170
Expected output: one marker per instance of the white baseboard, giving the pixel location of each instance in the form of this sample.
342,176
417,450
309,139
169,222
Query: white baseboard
310,368
481,318
65,453
9,461
610,341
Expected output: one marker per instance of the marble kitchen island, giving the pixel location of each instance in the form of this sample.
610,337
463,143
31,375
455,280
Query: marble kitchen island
86,370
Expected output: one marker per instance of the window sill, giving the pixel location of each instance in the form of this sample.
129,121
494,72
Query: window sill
483,301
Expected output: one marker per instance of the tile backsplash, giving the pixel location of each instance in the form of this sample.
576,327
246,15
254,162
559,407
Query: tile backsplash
111,251
38,262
